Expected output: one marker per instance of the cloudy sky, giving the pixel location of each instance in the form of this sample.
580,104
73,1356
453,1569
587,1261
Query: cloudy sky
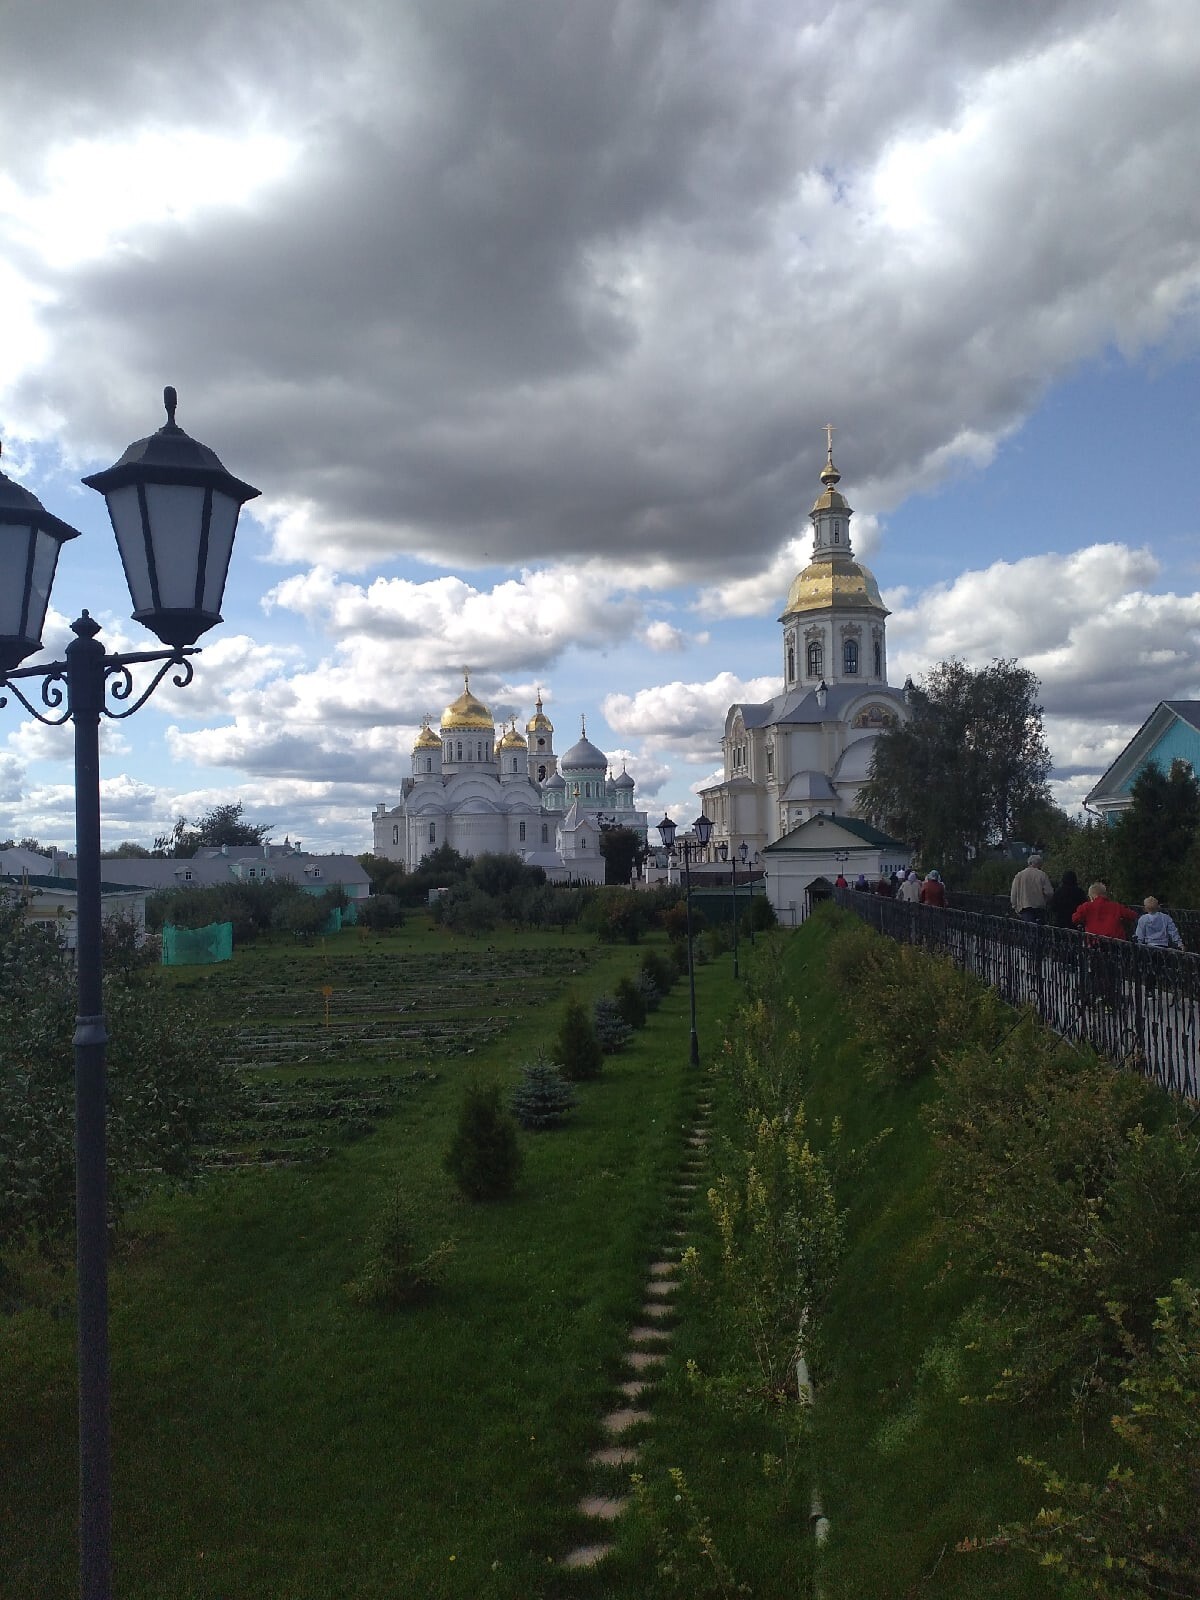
526,319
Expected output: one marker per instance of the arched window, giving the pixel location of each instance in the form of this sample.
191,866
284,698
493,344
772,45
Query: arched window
541,771
791,663
514,763
460,749
816,659
849,657
837,531
522,833
428,763
479,750
879,658
396,834
433,833
545,833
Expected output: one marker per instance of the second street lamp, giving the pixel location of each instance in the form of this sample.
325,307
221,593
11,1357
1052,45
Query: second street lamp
726,854
174,510
701,833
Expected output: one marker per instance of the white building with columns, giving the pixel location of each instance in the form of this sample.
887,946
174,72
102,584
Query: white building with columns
807,751
509,793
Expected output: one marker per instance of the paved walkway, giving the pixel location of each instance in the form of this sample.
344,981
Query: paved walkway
649,1341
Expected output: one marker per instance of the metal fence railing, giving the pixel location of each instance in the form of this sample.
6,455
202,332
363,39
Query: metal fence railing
1136,1005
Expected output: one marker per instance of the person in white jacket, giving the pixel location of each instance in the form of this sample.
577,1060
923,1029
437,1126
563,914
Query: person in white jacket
1156,928
910,889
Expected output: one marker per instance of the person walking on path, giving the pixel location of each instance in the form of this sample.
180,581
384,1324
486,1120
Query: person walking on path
1156,928
1101,917
910,889
1103,921
885,887
840,881
933,890
1031,892
1066,899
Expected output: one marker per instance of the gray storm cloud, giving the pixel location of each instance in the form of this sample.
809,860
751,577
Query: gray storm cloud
549,281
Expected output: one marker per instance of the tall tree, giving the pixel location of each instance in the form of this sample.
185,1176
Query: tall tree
1153,838
221,825
623,853
972,761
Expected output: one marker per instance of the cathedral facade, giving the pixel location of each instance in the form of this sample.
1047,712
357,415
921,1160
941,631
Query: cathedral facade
481,792
807,752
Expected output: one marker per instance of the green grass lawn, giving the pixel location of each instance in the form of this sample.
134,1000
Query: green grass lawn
271,1439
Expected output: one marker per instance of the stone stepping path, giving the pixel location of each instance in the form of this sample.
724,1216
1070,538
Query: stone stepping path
645,1356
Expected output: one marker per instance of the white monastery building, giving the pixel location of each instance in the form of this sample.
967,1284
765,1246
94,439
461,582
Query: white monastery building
807,752
508,794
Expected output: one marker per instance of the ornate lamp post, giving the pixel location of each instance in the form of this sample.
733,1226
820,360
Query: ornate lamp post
174,511
725,854
701,833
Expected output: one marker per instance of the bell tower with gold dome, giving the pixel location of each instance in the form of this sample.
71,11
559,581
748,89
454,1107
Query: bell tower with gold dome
833,622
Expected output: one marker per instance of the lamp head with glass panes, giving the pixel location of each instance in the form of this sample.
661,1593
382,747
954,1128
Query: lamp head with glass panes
174,510
30,539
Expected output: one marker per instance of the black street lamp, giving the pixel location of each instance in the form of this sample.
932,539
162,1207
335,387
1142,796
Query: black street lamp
701,833
726,854
174,510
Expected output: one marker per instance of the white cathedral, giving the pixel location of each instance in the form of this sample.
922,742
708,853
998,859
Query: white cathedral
510,794
807,752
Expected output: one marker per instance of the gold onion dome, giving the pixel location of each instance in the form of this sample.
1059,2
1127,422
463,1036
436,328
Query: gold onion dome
834,581
512,740
427,739
467,712
539,722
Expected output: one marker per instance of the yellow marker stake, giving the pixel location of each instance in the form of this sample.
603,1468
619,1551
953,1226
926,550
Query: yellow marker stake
327,991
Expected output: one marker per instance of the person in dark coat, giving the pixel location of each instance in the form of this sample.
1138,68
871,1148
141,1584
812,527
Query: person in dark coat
1066,900
885,888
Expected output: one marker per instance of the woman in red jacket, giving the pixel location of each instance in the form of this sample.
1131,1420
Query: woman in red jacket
1105,918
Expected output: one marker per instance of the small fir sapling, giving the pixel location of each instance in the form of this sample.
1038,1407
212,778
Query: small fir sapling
612,1030
543,1099
649,991
398,1271
484,1157
577,1046
660,971
632,1002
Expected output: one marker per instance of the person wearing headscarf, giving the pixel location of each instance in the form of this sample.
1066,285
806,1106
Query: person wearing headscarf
933,890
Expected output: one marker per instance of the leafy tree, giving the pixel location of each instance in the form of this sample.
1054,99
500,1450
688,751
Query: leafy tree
166,1082
221,825
127,850
387,877
623,853
970,764
1151,841
35,846
379,912
484,1157
497,875
577,1046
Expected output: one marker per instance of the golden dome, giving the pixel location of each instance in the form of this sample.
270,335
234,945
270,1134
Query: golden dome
512,740
427,739
539,722
832,500
834,581
467,712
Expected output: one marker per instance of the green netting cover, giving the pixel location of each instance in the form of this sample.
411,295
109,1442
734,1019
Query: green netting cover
194,947
350,914
334,922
